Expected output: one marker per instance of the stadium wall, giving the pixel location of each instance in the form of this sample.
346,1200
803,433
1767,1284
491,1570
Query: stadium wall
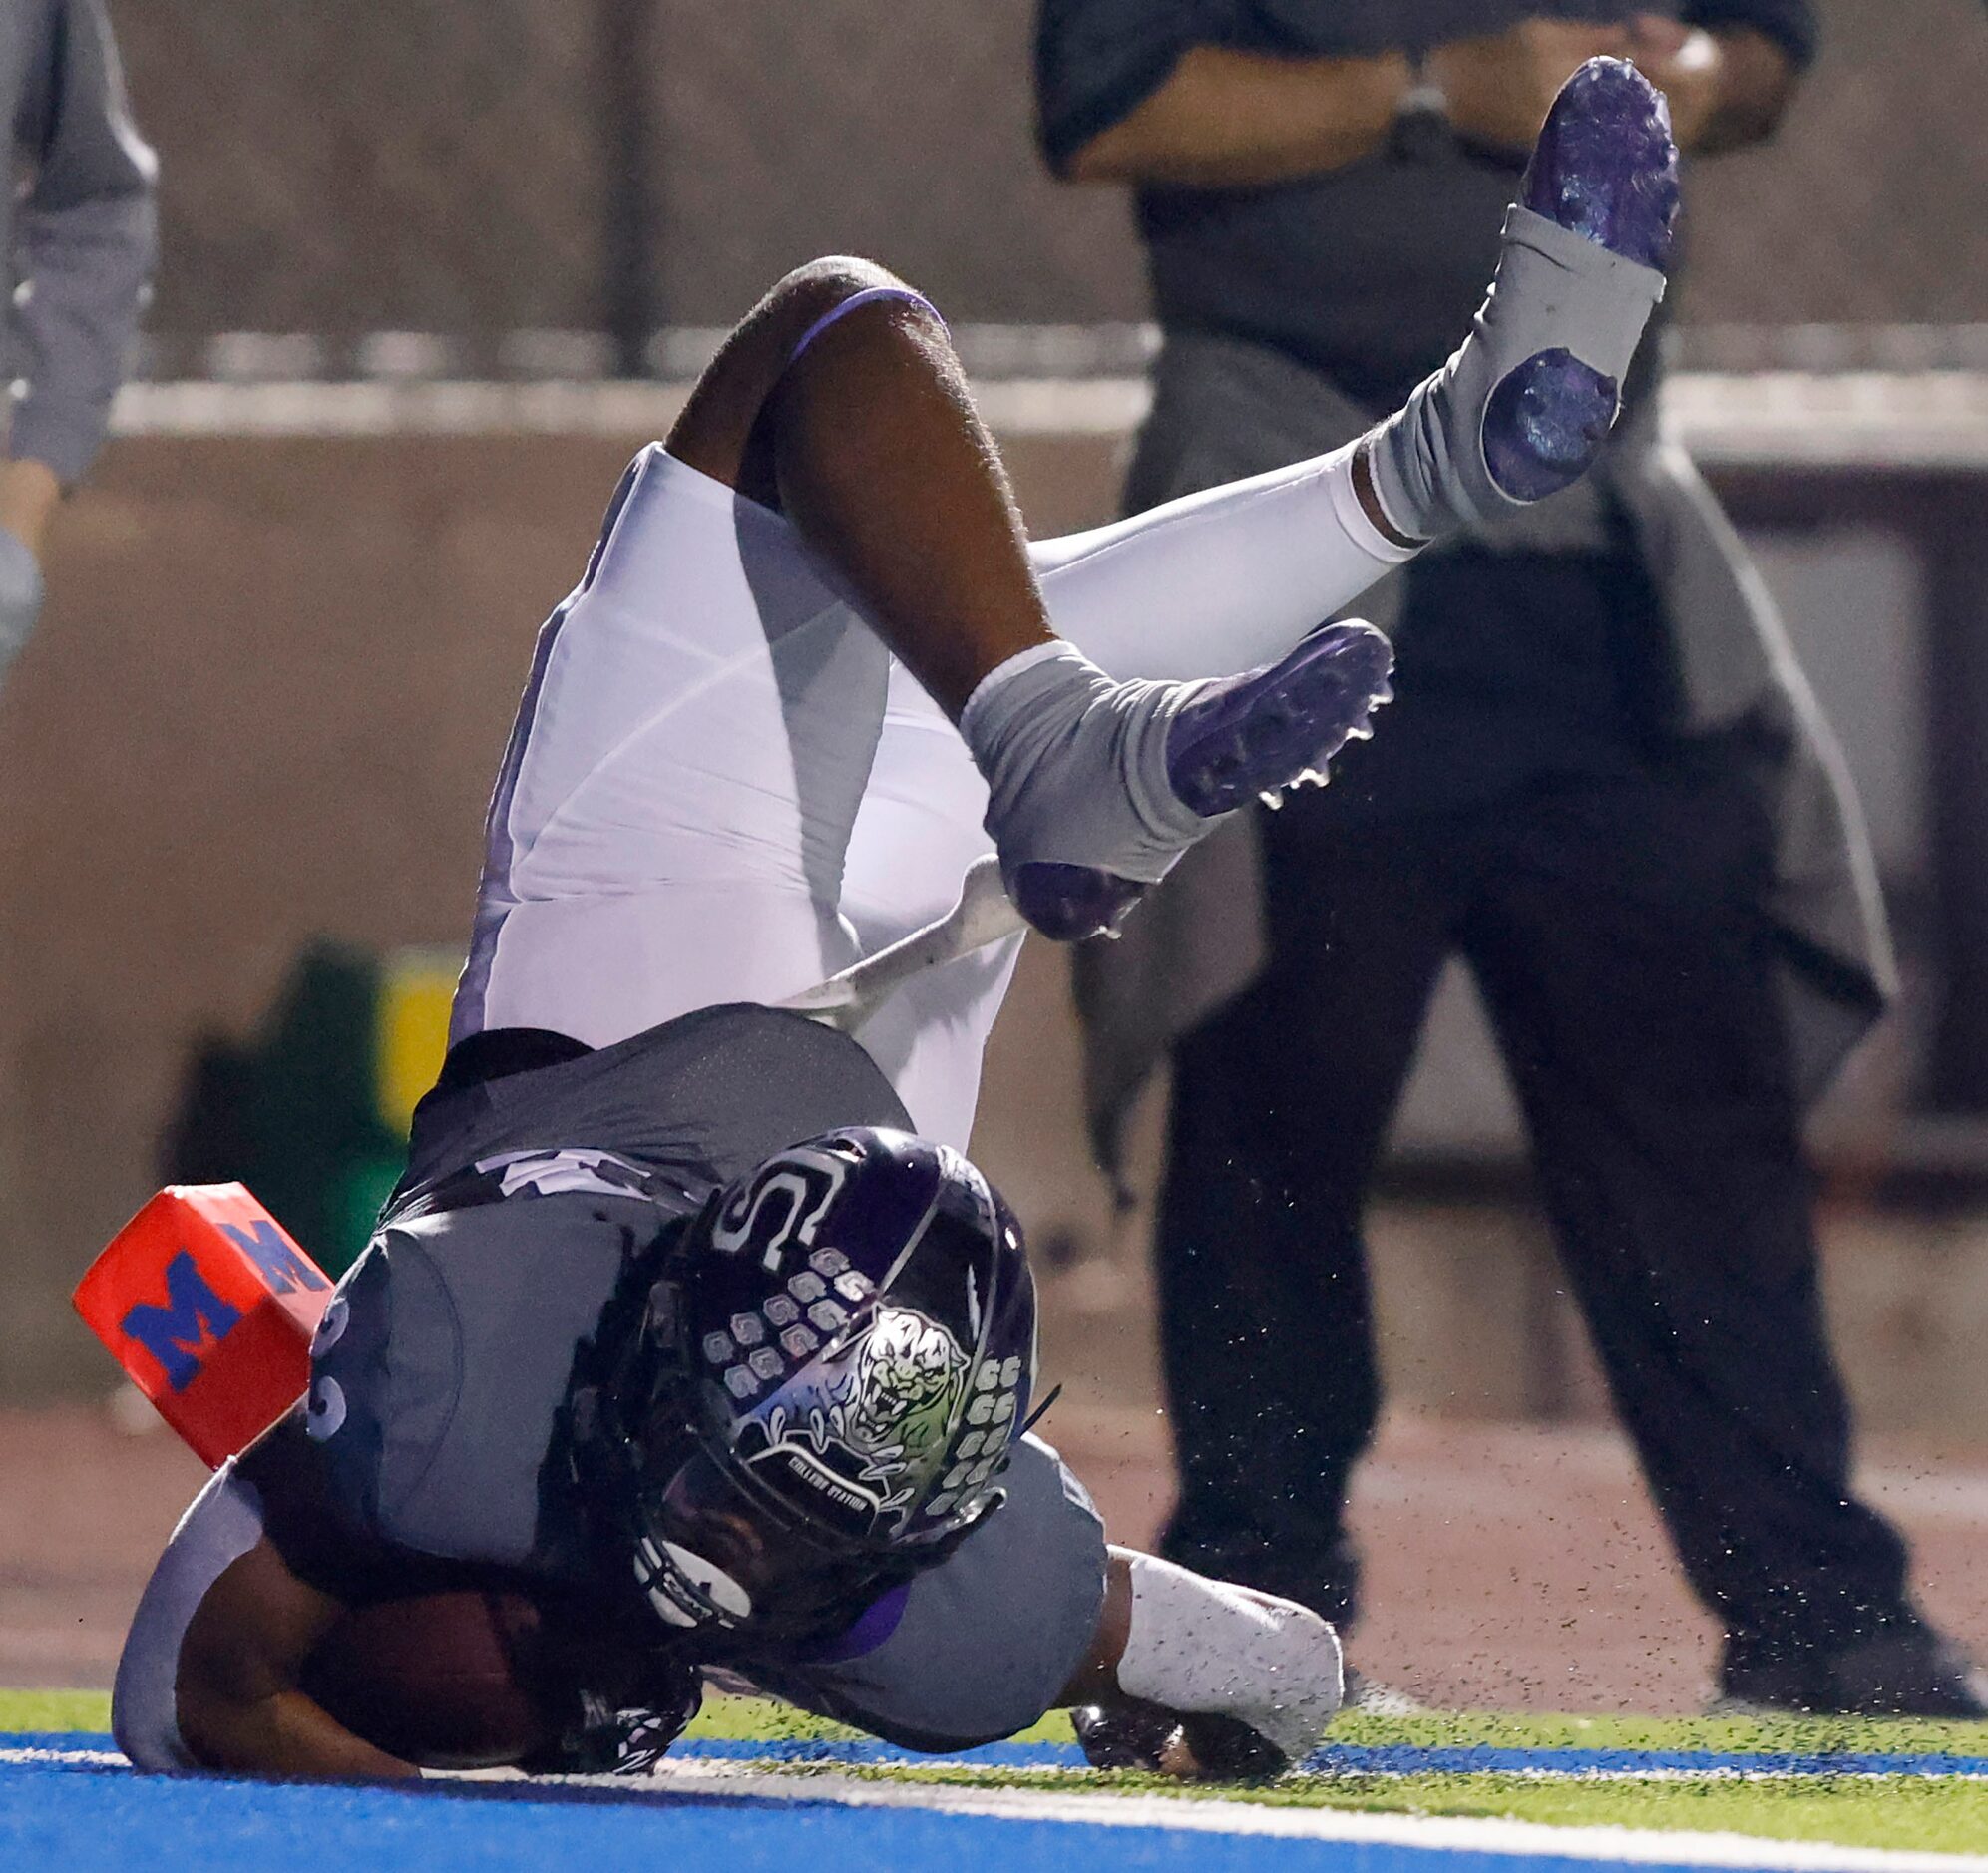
273,681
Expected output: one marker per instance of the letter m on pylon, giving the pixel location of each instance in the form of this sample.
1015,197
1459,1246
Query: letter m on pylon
192,1318
265,1244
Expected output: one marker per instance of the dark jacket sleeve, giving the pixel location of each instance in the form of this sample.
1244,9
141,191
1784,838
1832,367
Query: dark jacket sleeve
1097,61
84,238
1792,24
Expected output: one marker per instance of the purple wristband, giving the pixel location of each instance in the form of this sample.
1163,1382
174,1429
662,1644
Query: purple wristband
867,296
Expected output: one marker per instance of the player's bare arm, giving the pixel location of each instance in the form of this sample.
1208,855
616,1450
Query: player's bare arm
1225,118
1230,118
241,1700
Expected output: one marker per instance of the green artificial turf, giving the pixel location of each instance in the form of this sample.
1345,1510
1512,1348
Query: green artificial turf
54,1710
1936,1815
754,1719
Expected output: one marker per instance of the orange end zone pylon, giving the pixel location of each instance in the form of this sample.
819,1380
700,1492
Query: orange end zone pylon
207,1300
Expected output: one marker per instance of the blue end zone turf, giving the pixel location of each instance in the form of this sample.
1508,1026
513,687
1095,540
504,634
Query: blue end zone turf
110,1821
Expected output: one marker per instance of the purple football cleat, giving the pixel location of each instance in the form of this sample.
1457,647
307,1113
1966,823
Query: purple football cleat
1277,727
1605,168
1244,737
1068,902
1605,165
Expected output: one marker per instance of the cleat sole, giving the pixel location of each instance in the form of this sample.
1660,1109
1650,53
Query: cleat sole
1278,727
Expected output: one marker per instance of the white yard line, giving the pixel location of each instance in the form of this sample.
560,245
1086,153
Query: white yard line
62,1758
1603,1845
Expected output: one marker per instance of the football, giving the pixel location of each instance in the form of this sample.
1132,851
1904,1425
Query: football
447,1681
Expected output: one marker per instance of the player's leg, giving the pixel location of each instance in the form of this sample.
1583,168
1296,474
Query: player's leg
857,425
1519,411
668,824
1522,409
1033,1611
916,832
1222,579
1236,576
870,446
868,441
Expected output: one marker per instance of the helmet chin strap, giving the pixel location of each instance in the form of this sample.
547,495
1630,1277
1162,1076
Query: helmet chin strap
687,1589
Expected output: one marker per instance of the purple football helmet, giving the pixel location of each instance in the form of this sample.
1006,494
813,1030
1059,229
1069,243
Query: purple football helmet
849,1330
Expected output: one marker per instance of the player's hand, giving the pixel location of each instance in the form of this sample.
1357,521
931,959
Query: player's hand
1686,65
615,1742
1502,84
609,1737
1130,1734
20,596
28,495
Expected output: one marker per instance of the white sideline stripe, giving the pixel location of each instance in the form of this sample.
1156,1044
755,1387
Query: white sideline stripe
1849,419
1629,1846
71,1759
1195,1815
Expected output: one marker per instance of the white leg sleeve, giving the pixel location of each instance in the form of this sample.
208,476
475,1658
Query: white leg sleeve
225,1522
1220,581
918,830
1202,1646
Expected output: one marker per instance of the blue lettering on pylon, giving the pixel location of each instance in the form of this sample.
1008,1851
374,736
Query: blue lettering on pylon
264,1245
177,1334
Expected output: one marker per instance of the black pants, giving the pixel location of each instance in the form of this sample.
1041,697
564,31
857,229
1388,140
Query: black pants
1611,917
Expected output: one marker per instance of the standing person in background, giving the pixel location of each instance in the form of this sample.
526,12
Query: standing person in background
81,248
1603,784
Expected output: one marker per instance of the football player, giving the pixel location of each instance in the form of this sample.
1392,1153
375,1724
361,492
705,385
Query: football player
622,1351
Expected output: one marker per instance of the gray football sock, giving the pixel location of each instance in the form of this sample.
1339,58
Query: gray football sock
1555,291
1076,765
